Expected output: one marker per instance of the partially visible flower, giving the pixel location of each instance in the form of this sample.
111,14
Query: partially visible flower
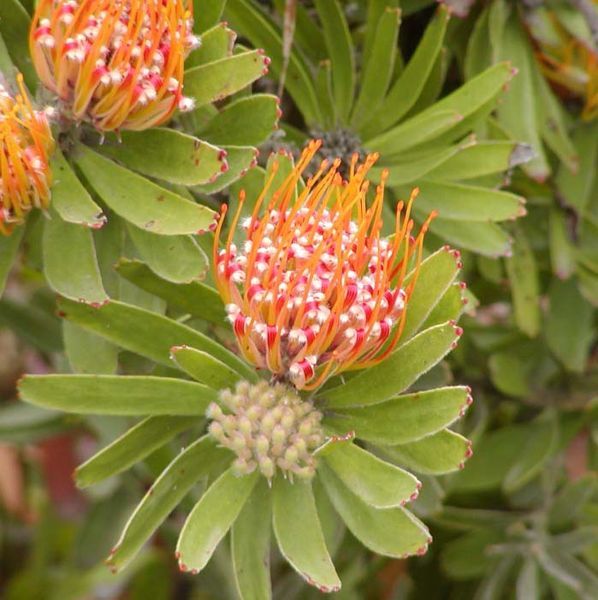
314,289
25,146
118,64
569,61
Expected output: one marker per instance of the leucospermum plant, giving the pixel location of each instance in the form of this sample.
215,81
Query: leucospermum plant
320,421
140,142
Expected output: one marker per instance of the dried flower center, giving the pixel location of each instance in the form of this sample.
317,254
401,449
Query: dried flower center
268,427
115,63
25,144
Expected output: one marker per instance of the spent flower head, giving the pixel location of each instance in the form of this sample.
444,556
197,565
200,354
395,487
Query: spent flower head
315,289
117,64
25,146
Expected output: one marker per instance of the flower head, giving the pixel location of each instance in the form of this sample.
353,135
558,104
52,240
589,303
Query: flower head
314,289
115,63
25,145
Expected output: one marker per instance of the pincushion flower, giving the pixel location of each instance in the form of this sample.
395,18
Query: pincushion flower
25,146
117,64
314,289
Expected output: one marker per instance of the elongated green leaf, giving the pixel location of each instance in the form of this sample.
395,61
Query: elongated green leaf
240,159
250,545
193,463
195,298
451,306
323,84
25,424
14,28
70,199
406,418
562,252
414,131
203,367
462,202
398,371
435,276
9,248
299,534
145,332
131,447
456,558
248,17
341,52
534,454
70,263
482,158
117,394
216,43
375,481
523,276
77,344
140,201
221,78
245,122
207,14
487,239
391,532
211,519
378,68
405,91
436,454
175,157
517,112
177,259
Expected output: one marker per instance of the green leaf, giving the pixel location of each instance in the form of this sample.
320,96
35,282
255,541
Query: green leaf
138,200
25,424
408,87
376,482
562,251
14,28
206,369
397,372
406,418
568,327
130,448
240,159
323,83
463,202
221,78
435,276
250,545
193,463
436,454
517,112
145,332
70,199
195,298
70,263
77,343
379,67
211,518
117,394
216,43
177,259
299,533
457,555
480,159
487,239
9,249
248,17
175,157
542,439
207,14
523,276
567,506
528,580
450,306
245,122
391,532
340,49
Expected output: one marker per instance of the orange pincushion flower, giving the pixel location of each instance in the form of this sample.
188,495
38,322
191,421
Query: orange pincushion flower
116,63
25,145
314,289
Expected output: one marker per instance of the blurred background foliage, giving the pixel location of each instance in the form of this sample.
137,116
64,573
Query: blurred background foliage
439,98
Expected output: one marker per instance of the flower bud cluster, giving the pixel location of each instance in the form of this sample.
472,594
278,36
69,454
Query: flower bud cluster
115,63
268,427
25,145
